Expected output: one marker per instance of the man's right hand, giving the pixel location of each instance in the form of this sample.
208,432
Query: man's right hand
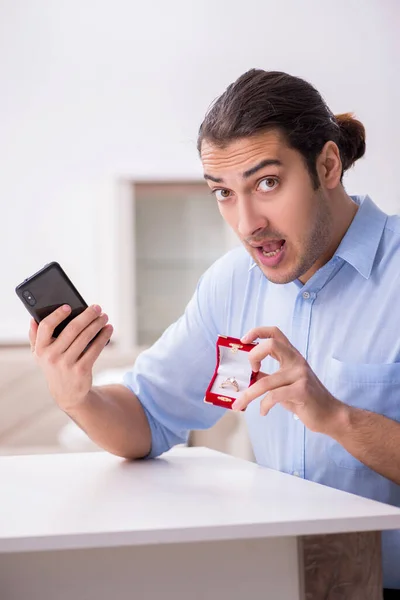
68,371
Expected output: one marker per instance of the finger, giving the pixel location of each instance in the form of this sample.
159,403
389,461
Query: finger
76,326
264,333
288,396
48,325
272,398
95,349
33,334
283,352
80,343
264,384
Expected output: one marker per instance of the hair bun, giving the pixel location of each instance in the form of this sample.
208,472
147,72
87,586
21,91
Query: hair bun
352,139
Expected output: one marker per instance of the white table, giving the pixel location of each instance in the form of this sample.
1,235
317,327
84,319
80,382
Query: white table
193,524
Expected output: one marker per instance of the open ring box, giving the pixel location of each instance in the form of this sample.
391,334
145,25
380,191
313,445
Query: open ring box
232,363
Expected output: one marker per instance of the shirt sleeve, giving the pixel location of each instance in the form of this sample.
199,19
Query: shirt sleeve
170,378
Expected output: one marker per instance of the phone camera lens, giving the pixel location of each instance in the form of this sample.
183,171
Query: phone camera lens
29,298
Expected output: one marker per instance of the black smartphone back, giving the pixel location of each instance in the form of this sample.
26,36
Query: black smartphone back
47,290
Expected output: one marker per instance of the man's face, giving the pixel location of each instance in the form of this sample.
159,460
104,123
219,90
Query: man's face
283,222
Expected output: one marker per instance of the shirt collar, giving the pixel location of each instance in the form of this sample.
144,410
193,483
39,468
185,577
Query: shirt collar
360,242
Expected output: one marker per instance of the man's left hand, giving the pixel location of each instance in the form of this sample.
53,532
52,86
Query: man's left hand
295,386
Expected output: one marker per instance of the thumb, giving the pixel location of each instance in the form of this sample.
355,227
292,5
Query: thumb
33,333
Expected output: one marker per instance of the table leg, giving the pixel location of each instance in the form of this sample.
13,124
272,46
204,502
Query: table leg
346,566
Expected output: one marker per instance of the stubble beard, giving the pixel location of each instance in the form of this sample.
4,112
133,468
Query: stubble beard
314,246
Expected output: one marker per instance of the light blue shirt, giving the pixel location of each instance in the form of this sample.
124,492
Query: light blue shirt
345,321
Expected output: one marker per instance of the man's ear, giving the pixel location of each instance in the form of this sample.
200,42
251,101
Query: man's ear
329,165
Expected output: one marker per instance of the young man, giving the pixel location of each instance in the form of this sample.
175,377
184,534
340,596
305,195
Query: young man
317,280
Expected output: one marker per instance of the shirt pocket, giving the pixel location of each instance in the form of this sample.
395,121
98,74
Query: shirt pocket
373,387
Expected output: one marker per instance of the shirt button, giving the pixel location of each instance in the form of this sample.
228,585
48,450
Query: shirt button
296,473
306,295
296,417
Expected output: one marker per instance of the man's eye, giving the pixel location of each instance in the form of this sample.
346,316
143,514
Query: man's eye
268,184
221,195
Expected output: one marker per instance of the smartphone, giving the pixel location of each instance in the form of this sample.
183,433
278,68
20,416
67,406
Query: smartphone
47,290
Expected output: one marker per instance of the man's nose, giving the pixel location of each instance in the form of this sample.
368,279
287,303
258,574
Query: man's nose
250,219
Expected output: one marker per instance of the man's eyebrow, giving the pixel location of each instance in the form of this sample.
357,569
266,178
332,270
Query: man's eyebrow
264,163
211,178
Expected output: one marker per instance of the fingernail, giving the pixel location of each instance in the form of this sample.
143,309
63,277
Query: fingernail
236,405
66,308
97,308
244,339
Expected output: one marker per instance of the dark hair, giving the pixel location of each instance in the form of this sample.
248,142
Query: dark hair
263,100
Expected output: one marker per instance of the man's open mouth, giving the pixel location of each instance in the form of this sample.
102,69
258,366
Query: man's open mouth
272,248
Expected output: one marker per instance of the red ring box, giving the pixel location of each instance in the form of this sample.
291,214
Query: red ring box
232,361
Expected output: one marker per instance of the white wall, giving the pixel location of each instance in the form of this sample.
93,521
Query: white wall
95,90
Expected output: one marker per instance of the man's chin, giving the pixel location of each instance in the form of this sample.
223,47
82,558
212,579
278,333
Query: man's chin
276,277
279,274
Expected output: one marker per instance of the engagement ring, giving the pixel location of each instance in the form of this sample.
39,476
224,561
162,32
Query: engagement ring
230,382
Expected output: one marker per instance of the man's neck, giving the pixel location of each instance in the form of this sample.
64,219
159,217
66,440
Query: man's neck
344,210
